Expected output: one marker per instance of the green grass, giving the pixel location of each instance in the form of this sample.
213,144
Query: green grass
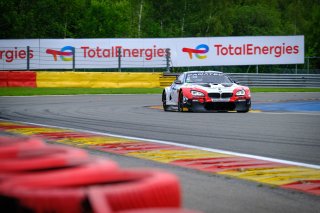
21,91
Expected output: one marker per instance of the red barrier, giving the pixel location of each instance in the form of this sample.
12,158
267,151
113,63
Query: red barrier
4,78
47,157
11,147
138,189
55,190
92,172
159,210
61,179
18,79
105,191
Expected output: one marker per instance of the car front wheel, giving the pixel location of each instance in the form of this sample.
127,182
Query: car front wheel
180,102
245,108
164,101
243,111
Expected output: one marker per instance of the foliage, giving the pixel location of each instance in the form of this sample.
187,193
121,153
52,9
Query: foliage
166,18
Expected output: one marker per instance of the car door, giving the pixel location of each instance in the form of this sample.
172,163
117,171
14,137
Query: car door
175,87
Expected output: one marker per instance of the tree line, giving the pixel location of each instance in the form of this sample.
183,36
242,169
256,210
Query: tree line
161,19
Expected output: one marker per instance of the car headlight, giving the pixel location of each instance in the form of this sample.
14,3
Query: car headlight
241,93
197,93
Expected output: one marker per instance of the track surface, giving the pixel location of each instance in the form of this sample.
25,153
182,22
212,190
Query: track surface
286,135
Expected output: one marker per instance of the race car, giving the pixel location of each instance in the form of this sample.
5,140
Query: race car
206,91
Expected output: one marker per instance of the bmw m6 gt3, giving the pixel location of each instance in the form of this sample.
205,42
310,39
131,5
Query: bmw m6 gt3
206,91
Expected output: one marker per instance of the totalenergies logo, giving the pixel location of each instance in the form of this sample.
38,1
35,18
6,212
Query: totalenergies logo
66,53
199,51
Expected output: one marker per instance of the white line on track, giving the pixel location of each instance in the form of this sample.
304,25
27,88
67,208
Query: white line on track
293,163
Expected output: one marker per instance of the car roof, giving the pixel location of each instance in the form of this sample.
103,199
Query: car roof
209,71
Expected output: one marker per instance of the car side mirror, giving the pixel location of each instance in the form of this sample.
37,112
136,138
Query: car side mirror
177,82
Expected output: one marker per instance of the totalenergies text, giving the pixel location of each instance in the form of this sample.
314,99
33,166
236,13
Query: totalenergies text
116,51
251,49
10,55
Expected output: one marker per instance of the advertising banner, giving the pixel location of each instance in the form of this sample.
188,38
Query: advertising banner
146,52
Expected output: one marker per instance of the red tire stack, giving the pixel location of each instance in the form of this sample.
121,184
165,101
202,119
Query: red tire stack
37,177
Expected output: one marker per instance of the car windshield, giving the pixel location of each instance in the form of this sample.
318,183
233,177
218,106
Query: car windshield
207,77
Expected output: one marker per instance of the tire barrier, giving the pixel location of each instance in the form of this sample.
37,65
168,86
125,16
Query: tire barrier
41,158
91,172
37,177
138,189
159,210
10,147
115,191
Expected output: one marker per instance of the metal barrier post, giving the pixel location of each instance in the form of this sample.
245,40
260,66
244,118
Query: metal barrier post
168,59
308,59
28,58
73,59
119,59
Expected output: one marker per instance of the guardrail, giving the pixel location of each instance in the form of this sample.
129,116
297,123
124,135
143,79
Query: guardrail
277,80
272,80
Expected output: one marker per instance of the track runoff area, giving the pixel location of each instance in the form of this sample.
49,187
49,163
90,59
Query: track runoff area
275,172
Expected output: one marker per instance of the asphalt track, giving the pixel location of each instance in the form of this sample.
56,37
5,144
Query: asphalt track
276,133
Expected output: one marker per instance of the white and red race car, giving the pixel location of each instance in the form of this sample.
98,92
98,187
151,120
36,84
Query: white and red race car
206,91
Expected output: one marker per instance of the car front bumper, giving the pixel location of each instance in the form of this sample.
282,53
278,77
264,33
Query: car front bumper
240,105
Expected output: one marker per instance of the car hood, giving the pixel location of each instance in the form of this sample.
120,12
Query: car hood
225,87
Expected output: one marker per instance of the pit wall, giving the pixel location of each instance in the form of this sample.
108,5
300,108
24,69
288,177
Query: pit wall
80,79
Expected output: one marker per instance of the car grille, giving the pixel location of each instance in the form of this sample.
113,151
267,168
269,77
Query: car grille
220,106
226,95
214,95
218,95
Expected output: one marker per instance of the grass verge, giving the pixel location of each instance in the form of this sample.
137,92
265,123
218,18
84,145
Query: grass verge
19,91
22,91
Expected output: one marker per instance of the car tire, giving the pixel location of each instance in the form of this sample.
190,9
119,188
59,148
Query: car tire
243,111
164,101
180,102
247,109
